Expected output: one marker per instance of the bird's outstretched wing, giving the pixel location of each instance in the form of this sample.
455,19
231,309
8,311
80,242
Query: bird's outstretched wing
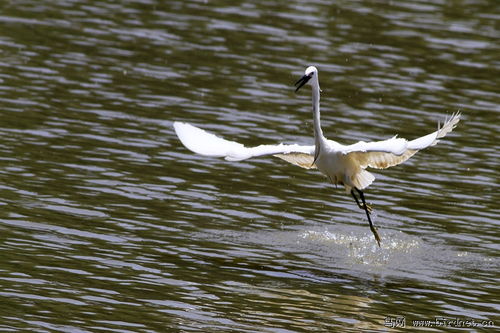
204,143
384,154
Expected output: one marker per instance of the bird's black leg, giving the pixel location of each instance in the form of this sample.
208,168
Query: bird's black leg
356,198
372,228
363,206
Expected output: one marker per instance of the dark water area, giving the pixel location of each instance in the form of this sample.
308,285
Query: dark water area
109,224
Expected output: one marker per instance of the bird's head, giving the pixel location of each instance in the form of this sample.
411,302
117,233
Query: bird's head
310,72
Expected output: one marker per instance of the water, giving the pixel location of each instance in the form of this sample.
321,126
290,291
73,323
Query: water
109,224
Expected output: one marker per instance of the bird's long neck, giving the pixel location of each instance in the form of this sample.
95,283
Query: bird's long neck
319,139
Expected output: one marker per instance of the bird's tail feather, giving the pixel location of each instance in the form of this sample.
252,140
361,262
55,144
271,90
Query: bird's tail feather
362,179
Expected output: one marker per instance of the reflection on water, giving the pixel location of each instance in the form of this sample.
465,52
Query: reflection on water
109,224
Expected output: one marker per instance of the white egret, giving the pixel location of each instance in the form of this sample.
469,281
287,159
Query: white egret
341,164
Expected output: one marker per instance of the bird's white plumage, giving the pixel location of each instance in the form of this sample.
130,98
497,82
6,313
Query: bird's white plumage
383,160
377,154
341,164
396,146
204,143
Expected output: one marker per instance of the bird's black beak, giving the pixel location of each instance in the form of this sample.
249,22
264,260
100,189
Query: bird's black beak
301,82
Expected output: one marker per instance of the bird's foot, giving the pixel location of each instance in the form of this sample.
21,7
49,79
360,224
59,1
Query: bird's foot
368,207
375,233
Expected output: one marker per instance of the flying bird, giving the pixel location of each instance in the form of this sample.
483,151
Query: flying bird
343,165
